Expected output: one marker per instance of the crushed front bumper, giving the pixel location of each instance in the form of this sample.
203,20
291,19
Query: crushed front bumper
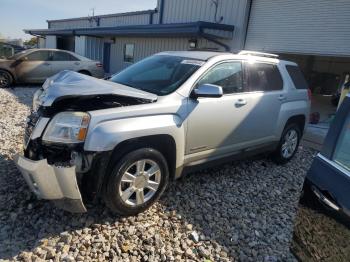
52,183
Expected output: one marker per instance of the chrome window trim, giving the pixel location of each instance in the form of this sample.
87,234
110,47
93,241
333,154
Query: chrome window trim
335,165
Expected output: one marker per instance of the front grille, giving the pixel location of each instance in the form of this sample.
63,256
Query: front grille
32,120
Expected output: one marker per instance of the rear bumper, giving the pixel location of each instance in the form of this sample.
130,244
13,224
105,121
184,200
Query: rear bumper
52,183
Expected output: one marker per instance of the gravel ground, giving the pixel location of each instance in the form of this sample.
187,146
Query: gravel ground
242,211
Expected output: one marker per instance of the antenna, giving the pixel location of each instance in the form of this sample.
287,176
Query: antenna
93,18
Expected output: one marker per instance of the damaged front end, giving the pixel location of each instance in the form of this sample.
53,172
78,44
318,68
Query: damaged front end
54,162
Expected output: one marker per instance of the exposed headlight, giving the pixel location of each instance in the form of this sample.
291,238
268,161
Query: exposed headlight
67,127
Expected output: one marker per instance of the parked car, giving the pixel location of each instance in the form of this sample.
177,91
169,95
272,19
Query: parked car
124,139
36,65
329,176
322,228
7,50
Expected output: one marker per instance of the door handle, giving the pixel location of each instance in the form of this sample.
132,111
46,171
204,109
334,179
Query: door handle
47,64
282,98
77,63
241,102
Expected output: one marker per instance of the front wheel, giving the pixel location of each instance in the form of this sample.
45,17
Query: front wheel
5,79
288,144
136,181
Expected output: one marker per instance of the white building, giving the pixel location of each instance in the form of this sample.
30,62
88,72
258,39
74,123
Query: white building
120,39
314,33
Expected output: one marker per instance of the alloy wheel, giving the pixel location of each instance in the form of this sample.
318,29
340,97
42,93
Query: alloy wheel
4,80
140,182
290,143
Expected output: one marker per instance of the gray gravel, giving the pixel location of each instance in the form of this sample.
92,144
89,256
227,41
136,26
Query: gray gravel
242,211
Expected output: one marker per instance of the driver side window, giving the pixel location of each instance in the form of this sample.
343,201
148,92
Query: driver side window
228,75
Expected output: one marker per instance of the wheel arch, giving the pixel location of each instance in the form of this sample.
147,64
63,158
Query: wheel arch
85,72
300,120
11,74
164,143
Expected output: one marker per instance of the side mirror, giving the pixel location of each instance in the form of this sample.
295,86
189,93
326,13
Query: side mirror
207,90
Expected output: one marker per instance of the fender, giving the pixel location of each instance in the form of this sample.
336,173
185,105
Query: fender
290,109
105,136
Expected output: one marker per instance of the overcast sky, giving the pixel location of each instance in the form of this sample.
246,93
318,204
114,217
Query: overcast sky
16,15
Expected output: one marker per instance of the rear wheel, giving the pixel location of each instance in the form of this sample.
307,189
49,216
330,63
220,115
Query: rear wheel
288,144
84,72
5,79
136,182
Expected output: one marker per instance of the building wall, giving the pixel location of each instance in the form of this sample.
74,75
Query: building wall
105,21
318,27
80,45
42,42
234,12
51,41
145,47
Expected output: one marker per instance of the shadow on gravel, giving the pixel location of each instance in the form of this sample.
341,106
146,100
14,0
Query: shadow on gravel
244,210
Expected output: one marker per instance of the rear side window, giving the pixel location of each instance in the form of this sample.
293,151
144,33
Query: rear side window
297,77
263,77
62,56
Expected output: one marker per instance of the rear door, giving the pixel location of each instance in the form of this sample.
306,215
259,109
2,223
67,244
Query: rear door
61,60
34,67
266,94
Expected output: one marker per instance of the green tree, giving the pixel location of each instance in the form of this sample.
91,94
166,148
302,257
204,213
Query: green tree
31,42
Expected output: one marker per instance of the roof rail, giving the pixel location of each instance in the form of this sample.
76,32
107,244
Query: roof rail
246,52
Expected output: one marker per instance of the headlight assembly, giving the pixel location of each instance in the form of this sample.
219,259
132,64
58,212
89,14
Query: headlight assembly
67,127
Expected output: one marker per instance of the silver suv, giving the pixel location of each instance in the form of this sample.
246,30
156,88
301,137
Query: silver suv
122,140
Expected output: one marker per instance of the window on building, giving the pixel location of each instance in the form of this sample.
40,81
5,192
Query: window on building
62,56
297,77
263,77
39,56
227,75
129,53
342,150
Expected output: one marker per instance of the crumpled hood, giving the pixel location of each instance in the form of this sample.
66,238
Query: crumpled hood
72,84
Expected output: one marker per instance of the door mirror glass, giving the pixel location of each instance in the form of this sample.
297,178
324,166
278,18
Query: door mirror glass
207,90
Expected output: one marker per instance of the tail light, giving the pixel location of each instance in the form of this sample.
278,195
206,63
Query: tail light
99,64
309,94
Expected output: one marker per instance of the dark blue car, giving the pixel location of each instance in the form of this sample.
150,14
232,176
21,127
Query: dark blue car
329,176
322,225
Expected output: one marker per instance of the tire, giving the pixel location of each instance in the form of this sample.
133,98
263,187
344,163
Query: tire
282,154
121,184
6,79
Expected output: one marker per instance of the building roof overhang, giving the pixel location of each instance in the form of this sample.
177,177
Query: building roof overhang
192,29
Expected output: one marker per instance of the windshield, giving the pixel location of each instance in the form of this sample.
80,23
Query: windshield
158,74
16,56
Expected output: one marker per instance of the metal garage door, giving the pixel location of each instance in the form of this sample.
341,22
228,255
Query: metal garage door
319,27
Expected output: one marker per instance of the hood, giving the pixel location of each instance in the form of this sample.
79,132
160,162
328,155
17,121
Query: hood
69,84
6,62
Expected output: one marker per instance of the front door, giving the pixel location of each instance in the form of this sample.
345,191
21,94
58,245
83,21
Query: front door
213,122
34,67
